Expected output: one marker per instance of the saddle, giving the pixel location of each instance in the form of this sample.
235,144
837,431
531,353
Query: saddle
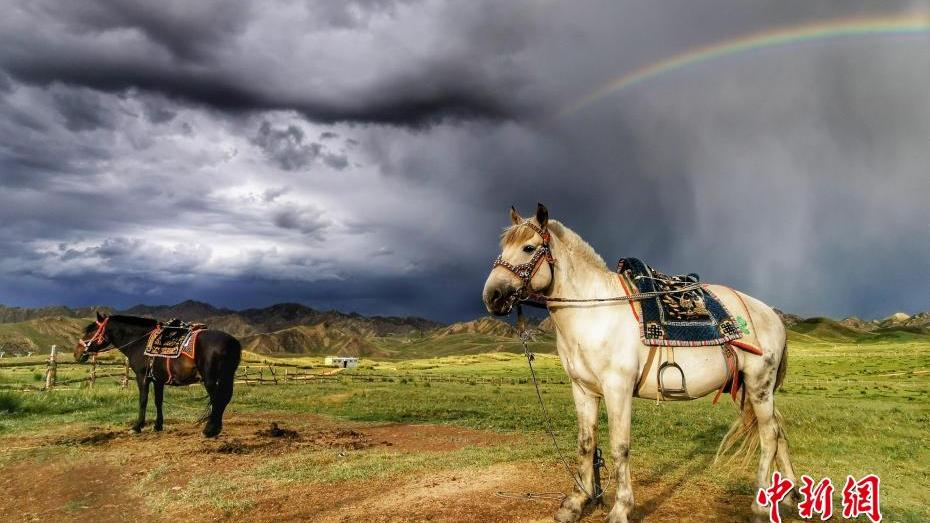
172,338
690,318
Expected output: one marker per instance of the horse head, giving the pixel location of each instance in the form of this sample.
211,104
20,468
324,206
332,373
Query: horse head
94,339
524,266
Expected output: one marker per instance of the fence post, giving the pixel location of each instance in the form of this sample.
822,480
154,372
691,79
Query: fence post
93,371
273,375
285,375
124,383
51,370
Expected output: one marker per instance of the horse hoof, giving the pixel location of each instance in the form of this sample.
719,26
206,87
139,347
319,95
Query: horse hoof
158,428
612,518
211,431
134,431
565,515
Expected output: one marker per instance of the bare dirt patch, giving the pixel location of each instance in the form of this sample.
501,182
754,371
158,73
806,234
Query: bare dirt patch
434,437
67,491
99,474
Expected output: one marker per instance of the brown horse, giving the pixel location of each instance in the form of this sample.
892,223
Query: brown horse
215,360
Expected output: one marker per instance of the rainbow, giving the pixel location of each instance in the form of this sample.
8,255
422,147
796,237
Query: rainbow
911,23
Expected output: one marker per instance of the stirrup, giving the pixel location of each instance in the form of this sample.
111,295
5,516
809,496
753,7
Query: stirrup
677,393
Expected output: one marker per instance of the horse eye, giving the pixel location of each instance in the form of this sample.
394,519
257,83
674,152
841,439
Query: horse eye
529,248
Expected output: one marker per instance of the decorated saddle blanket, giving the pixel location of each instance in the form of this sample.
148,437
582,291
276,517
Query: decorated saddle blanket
173,338
693,317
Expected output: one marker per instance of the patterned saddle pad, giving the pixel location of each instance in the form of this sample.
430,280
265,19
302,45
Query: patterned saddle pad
169,339
691,318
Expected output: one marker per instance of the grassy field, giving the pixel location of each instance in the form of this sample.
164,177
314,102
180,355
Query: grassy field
851,408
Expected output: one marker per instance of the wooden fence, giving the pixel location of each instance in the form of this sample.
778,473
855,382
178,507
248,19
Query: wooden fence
52,365
272,375
266,374
282,373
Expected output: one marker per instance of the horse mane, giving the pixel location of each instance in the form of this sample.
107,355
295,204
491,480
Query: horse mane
576,244
137,321
573,242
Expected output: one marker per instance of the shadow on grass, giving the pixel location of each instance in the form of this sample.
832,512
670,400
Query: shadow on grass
673,474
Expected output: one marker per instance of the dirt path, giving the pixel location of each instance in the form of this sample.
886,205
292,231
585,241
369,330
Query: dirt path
102,475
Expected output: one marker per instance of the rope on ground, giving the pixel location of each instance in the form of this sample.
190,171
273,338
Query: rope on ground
531,496
598,491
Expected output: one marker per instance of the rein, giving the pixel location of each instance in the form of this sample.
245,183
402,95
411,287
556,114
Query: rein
100,337
543,299
597,496
528,296
526,271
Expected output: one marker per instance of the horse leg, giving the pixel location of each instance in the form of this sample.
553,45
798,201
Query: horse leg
586,407
218,380
143,384
784,464
618,398
159,398
222,393
759,392
209,383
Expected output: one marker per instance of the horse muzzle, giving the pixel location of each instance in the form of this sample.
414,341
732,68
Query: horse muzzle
499,301
80,353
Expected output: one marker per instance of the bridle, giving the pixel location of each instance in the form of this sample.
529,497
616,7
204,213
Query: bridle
99,338
103,342
526,271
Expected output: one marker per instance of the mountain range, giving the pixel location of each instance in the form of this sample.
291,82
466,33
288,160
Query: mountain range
295,329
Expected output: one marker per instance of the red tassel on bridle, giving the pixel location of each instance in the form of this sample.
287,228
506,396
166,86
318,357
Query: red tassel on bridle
99,335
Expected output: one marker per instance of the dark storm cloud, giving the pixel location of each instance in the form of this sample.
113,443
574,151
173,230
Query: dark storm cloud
309,222
190,31
83,110
156,151
158,111
216,54
287,147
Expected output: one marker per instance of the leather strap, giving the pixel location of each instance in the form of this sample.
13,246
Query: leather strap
646,369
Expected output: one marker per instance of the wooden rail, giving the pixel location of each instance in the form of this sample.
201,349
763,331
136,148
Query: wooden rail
284,374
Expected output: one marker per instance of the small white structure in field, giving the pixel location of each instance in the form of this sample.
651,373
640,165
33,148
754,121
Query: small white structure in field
344,362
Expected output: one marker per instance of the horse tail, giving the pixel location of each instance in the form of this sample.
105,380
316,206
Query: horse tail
206,414
782,367
743,436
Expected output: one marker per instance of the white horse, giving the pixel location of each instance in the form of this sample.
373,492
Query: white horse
600,348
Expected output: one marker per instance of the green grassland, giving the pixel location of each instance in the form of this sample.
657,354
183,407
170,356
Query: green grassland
458,344
852,406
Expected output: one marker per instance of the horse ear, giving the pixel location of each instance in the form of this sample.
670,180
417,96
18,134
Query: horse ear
515,216
100,317
542,214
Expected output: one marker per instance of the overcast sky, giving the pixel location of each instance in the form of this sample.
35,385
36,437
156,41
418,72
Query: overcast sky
362,155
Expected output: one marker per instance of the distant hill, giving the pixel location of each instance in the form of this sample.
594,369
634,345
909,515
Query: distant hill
787,318
546,325
485,325
846,331
285,328
827,330
282,316
39,334
20,314
858,324
293,328
189,310
319,339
